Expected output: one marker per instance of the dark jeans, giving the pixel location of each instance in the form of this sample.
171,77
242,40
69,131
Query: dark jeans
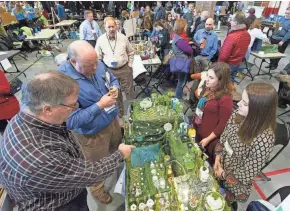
92,42
234,71
182,79
189,33
77,204
3,125
281,49
22,23
163,52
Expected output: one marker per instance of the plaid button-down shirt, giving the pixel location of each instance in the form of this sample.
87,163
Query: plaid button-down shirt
42,167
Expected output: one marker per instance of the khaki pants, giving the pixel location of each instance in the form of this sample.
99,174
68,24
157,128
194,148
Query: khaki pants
100,145
125,78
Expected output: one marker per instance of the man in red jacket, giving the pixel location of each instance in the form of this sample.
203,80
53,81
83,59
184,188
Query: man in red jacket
9,105
236,44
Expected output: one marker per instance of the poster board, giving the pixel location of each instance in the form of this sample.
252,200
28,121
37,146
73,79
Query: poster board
7,18
130,27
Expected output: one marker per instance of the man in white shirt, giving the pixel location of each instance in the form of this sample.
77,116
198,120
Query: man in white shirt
89,29
117,53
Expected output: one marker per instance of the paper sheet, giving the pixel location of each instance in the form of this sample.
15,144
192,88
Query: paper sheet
265,30
130,27
137,66
6,64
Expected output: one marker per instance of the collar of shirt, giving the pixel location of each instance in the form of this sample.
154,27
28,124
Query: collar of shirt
89,21
206,32
31,120
112,38
72,71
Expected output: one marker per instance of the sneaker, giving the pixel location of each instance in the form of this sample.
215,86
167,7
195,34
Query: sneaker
273,67
45,53
100,195
234,206
240,75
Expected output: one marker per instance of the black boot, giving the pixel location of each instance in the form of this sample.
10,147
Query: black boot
234,206
273,67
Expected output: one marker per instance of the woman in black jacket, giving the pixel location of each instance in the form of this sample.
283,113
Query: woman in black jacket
163,39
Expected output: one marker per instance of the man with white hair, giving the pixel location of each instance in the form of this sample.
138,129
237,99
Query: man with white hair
94,123
41,164
89,29
118,54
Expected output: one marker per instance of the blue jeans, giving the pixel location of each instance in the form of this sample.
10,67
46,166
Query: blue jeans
234,71
182,79
248,54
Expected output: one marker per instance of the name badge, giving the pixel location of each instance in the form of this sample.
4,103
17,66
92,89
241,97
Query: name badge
110,109
114,62
280,28
228,148
199,113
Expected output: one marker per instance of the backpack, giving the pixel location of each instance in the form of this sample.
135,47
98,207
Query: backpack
257,206
5,43
286,69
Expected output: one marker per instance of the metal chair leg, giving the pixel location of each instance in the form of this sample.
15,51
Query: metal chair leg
263,177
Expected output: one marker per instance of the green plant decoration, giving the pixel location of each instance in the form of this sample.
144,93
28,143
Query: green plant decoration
166,163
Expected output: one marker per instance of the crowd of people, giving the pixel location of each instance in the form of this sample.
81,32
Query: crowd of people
66,134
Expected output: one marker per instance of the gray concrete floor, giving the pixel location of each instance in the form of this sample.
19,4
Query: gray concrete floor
46,64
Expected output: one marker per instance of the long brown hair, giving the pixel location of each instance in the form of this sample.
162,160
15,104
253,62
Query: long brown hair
263,100
147,22
222,72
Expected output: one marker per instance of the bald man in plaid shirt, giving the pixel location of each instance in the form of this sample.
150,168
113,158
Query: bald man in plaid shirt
41,164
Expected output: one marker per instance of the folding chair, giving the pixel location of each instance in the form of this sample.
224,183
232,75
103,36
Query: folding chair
144,84
282,135
163,75
245,66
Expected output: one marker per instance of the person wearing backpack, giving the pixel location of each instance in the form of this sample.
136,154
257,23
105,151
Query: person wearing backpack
163,39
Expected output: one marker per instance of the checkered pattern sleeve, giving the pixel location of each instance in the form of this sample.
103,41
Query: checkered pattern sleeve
61,172
250,167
